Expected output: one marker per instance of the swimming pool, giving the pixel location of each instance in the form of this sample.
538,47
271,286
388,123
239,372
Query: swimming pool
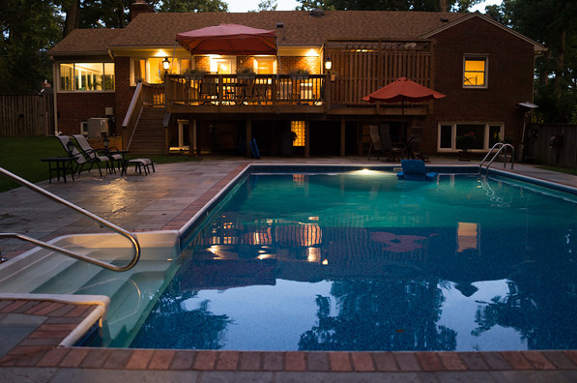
362,261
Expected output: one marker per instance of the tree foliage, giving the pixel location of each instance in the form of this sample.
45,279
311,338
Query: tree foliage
386,5
552,23
29,27
190,5
267,5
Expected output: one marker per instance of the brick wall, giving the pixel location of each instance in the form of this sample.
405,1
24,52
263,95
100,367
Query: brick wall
124,91
290,64
510,77
202,63
74,108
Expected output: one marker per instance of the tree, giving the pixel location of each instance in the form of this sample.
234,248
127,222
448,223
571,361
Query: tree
29,28
550,22
191,6
387,5
267,5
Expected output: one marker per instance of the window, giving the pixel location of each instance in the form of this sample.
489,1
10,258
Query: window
475,72
151,70
298,129
264,65
473,134
86,77
222,64
446,137
476,136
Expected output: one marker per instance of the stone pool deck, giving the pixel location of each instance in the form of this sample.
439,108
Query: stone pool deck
30,331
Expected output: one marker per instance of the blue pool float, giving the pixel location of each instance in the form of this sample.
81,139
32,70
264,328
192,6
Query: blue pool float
415,170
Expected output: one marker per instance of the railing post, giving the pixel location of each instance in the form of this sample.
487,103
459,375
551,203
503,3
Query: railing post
327,85
274,89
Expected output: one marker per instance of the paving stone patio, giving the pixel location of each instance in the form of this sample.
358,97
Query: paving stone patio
30,331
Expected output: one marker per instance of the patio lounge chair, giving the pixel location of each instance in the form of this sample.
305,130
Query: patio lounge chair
81,160
381,144
92,156
415,170
111,158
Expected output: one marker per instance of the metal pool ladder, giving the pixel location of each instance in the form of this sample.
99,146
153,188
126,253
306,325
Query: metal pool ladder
54,197
500,147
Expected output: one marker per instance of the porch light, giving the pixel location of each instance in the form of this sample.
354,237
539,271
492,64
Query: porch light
328,63
165,64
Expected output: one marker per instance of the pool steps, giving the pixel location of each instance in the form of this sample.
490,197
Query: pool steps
133,292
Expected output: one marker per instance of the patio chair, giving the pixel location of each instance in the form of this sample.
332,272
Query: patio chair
376,146
208,91
413,151
393,152
381,144
112,158
415,170
80,159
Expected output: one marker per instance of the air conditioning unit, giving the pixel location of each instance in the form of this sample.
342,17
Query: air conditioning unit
97,127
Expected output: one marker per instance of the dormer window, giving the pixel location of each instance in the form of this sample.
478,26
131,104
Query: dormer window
475,72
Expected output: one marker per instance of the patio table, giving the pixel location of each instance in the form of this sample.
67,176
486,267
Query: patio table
59,166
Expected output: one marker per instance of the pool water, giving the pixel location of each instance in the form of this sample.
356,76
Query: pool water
363,261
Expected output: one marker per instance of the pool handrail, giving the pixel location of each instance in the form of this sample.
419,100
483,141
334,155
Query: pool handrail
500,146
133,240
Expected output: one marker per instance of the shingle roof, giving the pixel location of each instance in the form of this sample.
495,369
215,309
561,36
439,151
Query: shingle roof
300,28
86,42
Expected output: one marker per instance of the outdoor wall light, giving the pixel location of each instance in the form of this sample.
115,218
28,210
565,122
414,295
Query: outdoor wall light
165,63
328,63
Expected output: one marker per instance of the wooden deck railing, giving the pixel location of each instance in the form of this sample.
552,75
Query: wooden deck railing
245,90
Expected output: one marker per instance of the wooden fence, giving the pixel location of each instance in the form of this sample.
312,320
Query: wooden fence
560,151
29,115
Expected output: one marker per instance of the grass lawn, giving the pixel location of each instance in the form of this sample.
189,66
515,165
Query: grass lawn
558,169
21,155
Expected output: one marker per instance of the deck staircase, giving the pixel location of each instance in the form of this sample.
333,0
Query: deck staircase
149,136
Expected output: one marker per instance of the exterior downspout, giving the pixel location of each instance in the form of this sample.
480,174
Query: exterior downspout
55,95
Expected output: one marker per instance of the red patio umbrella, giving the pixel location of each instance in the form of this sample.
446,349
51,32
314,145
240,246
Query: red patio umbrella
231,39
403,90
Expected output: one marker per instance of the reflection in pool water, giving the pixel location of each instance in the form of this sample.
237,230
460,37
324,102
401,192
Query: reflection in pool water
351,262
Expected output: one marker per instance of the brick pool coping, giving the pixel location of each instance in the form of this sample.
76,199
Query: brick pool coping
40,349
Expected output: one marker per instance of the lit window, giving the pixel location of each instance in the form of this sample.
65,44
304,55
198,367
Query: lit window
222,65
298,128
151,70
87,77
264,65
475,72
467,233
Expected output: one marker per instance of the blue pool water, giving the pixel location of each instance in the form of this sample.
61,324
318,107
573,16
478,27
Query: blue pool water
363,261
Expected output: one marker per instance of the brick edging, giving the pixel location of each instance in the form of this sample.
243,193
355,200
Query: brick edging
61,319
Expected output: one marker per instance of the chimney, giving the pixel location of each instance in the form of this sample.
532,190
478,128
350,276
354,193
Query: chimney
444,5
138,7
280,29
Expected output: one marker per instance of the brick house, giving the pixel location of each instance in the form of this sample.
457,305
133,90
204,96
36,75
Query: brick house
162,97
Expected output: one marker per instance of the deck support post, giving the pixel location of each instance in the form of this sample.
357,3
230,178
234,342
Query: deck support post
343,137
192,138
248,128
307,139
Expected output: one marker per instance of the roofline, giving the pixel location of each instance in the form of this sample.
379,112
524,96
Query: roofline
78,53
538,47
418,39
